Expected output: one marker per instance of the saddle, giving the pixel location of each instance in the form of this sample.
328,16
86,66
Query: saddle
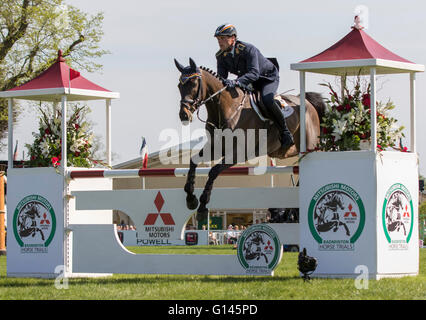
260,109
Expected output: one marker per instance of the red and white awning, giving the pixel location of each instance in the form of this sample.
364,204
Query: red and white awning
356,53
57,81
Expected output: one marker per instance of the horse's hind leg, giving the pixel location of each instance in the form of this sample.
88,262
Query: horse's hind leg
346,228
205,196
405,231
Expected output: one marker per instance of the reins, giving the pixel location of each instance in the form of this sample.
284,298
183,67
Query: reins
197,103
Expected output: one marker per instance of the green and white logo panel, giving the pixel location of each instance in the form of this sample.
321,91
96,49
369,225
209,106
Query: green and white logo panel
397,217
259,250
336,217
34,224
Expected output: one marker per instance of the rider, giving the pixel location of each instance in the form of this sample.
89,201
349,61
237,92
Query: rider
251,67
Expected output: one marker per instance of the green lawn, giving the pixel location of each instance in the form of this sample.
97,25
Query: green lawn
286,284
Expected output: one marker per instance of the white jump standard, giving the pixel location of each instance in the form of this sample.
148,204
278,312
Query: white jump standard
366,188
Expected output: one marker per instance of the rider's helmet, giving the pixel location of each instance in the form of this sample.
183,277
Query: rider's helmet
226,30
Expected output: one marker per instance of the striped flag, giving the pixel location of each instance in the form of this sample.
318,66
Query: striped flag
144,153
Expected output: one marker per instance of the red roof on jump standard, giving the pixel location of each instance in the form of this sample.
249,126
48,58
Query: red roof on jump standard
59,75
357,44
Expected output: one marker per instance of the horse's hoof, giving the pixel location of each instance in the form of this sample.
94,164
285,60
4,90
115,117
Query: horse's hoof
191,202
202,214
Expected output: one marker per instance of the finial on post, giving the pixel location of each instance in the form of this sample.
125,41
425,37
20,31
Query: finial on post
357,21
361,17
60,58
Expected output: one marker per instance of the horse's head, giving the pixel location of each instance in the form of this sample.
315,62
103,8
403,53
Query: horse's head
190,90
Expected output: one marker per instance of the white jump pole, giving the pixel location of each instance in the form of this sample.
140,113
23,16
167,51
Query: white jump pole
413,130
108,132
342,85
10,133
373,109
178,172
302,75
64,165
64,132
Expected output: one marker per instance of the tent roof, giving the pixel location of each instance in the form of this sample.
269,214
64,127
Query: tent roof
356,53
58,80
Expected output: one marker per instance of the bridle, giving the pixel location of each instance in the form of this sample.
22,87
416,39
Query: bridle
194,105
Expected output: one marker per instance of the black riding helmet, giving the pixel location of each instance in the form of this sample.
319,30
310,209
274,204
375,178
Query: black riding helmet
226,30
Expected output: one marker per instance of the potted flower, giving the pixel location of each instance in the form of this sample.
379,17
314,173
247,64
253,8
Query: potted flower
347,121
46,148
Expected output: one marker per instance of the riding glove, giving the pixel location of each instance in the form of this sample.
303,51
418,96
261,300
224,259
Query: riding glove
230,83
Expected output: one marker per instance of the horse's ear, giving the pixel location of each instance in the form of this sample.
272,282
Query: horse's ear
192,64
179,66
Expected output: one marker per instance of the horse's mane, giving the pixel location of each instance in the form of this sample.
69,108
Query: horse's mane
214,74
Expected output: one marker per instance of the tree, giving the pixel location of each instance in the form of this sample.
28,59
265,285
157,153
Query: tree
32,32
422,211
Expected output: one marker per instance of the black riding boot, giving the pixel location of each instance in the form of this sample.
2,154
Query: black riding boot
286,137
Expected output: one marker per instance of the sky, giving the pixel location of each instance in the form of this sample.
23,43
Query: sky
143,37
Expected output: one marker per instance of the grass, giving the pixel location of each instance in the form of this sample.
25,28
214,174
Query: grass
286,284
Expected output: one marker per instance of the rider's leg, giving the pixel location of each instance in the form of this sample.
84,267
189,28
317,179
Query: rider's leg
268,92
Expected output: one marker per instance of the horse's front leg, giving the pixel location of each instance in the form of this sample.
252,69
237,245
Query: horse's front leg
191,199
205,196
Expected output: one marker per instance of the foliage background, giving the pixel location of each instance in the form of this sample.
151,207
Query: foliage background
32,32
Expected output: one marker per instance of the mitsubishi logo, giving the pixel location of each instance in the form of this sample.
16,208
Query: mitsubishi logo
151,218
350,212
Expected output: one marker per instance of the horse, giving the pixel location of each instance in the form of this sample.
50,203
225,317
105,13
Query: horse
253,247
393,213
328,217
27,223
229,110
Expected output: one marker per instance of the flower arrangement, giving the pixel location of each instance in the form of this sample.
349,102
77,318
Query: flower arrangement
346,121
46,148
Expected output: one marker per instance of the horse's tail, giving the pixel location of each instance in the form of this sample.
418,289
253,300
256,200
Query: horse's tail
317,101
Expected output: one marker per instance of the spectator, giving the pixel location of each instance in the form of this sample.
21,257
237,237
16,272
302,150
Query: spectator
232,234
212,238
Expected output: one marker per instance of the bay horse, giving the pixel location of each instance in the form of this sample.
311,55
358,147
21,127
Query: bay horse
230,110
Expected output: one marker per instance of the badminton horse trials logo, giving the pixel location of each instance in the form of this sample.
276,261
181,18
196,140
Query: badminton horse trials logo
151,218
34,224
259,250
336,217
397,217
